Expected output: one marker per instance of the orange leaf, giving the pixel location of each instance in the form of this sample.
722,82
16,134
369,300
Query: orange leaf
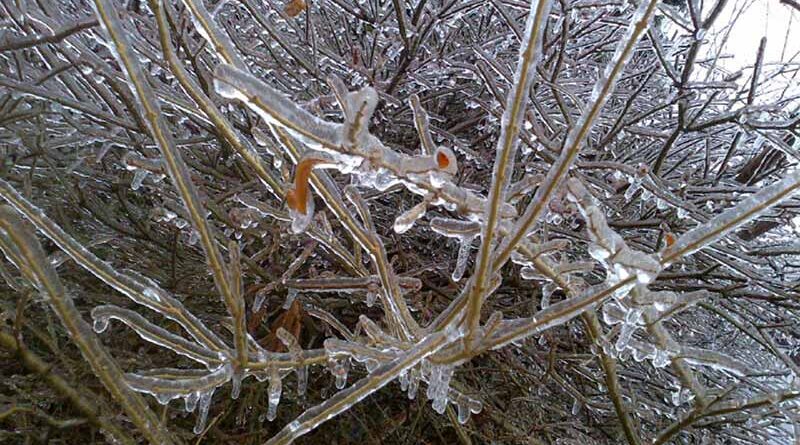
296,198
295,7
442,160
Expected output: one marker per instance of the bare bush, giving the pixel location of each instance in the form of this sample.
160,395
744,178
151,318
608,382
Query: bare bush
560,222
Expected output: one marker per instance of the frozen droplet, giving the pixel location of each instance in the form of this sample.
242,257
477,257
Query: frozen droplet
100,324
138,178
163,397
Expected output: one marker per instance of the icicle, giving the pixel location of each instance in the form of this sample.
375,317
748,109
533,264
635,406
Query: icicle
202,415
194,237
273,394
463,257
403,381
300,221
102,153
291,294
632,189
236,385
463,411
338,368
547,291
413,384
293,346
467,406
576,407
629,326
442,389
433,382
372,296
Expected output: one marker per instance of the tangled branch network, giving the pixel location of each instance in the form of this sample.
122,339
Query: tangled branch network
571,211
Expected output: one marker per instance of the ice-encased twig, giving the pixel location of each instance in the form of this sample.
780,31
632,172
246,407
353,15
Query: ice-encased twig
715,360
607,246
154,334
415,172
665,343
205,25
170,383
422,126
396,308
83,404
241,145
